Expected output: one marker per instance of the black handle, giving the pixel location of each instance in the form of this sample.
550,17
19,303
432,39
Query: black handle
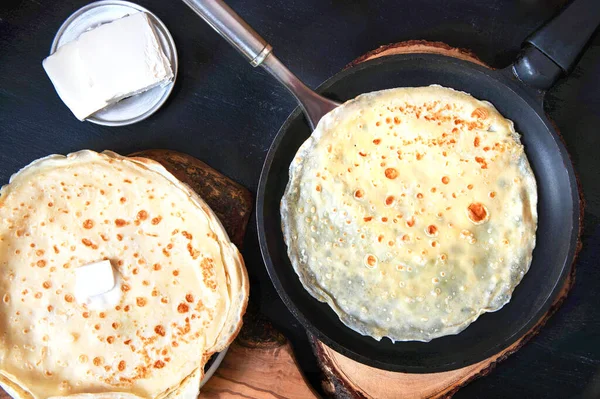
555,48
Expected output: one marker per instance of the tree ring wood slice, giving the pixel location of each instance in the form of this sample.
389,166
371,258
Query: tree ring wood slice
346,378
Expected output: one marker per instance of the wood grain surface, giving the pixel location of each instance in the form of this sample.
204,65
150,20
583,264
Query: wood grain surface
347,378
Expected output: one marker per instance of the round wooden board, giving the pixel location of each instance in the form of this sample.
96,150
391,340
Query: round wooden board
346,378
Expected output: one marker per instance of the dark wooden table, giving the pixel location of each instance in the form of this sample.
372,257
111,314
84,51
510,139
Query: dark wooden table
225,113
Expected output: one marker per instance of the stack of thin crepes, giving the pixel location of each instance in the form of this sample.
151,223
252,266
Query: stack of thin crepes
411,212
180,291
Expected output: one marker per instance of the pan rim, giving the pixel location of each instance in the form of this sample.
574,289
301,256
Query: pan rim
502,79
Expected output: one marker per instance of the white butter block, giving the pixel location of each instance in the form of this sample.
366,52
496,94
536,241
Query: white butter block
93,279
116,60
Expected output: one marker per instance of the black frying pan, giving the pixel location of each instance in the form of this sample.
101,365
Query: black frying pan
517,92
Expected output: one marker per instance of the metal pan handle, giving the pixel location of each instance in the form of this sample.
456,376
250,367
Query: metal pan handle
554,49
232,28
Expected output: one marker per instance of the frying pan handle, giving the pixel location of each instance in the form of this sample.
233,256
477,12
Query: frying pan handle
233,29
554,49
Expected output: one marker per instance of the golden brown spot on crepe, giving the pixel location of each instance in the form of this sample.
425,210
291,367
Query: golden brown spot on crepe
88,224
110,339
391,173
410,222
492,194
50,308
39,252
380,238
482,162
41,263
6,298
125,287
377,141
186,235
38,295
159,364
176,273
50,204
69,298
183,308
431,230
419,196
479,113
359,193
189,298
445,180
88,243
477,212
397,120
156,220
47,284
115,325
384,219
127,342
102,315
120,222
97,361
142,215
470,187
160,330
164,300
371,260
135,270
141,301
97,326
121,365
146,282
126,308
120,237
156,266
476,141
362,154
318,188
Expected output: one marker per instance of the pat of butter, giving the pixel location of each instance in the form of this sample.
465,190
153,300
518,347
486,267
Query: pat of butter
104,65
92,280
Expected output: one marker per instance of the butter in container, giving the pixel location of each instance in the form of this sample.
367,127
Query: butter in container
112,64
